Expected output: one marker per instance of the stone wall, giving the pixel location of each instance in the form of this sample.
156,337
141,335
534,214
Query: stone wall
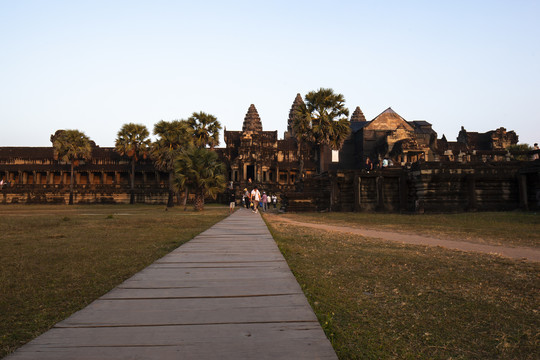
427,187
43,194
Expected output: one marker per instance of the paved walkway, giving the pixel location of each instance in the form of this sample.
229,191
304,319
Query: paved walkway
226,294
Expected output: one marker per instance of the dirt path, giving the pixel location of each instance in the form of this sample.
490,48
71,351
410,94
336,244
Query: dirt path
521,253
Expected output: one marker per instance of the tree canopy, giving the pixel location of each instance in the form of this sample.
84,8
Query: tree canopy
71,146
325,118
173,136
322,120
206,129
200,170
133,141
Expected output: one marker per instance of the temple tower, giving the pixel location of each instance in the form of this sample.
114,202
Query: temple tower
297,103
252,121
358,115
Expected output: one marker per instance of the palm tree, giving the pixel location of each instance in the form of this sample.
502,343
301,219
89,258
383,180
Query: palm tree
325,116
206,129
71,146
132,140
200,170
172,138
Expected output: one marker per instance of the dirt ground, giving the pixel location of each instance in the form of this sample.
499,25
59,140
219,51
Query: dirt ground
520,253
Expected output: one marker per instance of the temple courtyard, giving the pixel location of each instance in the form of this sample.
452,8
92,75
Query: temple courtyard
377,285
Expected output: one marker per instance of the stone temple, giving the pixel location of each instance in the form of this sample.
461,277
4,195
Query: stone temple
255,156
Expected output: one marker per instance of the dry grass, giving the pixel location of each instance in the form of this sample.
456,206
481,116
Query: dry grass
57,259
494,228
380,300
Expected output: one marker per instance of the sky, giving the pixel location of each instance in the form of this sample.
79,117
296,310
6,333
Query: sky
96,65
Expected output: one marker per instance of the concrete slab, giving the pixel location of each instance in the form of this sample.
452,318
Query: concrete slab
226,294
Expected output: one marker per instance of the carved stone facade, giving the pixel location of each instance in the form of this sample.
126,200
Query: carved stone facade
32,175
252,156
256,156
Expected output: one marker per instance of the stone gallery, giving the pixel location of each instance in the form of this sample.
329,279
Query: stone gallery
409,169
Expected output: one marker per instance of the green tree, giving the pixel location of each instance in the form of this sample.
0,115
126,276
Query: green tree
200,170
71,146
172,136
133,141
519,151
206,129
322,120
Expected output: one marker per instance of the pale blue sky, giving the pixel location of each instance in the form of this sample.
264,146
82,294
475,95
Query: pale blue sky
95,65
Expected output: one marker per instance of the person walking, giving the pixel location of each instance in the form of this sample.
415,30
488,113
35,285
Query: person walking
255,198
232,202
264,201
274,200
247,198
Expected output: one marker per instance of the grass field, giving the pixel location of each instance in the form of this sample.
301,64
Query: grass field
57,259
382,300
495,228
375,300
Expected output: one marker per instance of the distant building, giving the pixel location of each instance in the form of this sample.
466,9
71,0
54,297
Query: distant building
387,136
256,156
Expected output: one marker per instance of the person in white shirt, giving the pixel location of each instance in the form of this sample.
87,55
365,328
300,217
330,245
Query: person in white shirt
255,198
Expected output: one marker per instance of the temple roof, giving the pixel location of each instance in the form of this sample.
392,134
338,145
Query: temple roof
41,153
358,115
389,120
252,121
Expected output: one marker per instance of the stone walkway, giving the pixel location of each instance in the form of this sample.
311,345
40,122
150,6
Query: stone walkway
226,294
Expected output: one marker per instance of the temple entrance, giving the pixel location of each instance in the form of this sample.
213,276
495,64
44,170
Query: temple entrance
250,172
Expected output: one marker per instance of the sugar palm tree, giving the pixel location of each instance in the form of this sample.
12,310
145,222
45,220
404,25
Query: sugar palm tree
133,141
325,116
71,146
200,170
206,129
172,136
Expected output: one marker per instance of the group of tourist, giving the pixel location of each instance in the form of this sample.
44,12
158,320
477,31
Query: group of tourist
254,199
369,165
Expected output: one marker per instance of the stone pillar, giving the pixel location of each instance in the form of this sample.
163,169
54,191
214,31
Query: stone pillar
24,177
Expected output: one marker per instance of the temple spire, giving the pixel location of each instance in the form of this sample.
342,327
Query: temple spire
252,121
298,102
358,115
